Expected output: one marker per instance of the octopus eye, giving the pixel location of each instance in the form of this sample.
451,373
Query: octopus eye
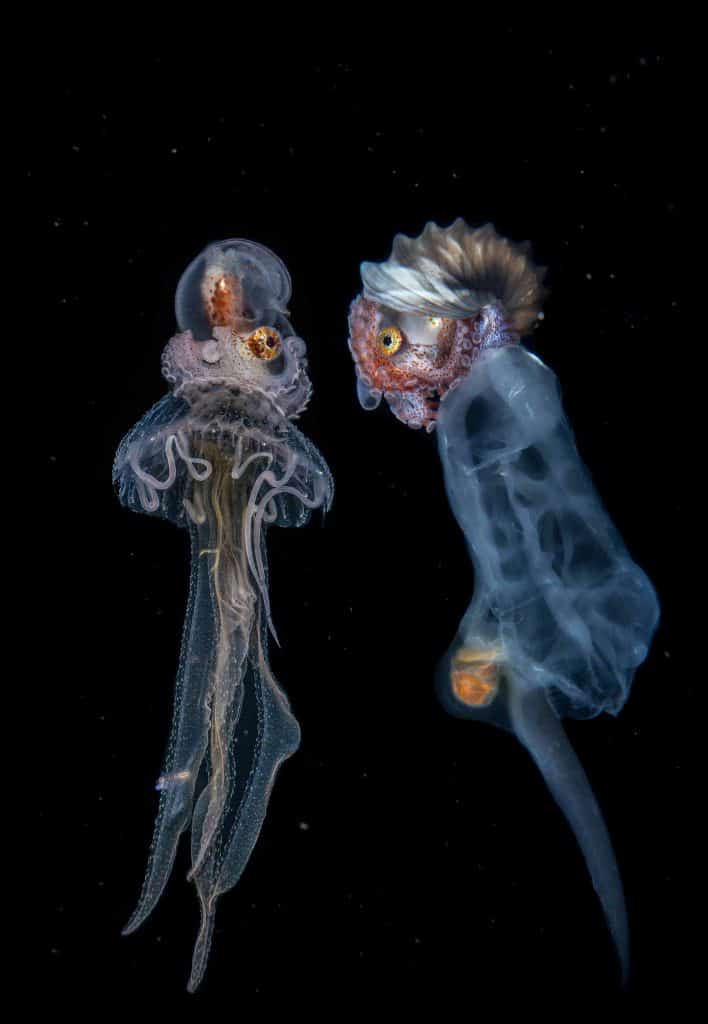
389,340
265,343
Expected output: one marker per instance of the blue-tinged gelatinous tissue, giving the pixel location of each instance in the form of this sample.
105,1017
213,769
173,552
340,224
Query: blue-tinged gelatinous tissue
555,586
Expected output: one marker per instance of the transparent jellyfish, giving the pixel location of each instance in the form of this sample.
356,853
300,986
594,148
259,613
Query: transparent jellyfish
220,456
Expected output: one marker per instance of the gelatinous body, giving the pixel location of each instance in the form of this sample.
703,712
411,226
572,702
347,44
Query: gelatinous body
221,457
561,616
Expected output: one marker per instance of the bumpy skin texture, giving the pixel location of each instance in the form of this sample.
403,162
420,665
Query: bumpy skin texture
431,359
226,359
452,293
220,457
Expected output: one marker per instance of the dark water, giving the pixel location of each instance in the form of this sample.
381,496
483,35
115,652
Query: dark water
405,853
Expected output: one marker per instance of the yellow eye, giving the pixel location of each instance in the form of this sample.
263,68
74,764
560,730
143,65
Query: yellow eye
265,343
389,340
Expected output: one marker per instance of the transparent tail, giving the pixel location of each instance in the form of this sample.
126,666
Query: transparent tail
541,732
188,739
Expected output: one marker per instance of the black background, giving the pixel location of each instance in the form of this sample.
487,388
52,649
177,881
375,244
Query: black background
405,853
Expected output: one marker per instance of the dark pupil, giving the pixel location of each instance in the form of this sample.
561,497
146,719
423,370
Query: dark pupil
388,340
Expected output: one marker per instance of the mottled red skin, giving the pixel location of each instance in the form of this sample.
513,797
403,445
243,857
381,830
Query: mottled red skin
417,377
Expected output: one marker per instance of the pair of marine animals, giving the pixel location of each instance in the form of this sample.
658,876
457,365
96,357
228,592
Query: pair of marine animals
561,616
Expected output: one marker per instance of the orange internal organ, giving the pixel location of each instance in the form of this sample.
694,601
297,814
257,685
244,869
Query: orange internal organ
223,299
475,676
